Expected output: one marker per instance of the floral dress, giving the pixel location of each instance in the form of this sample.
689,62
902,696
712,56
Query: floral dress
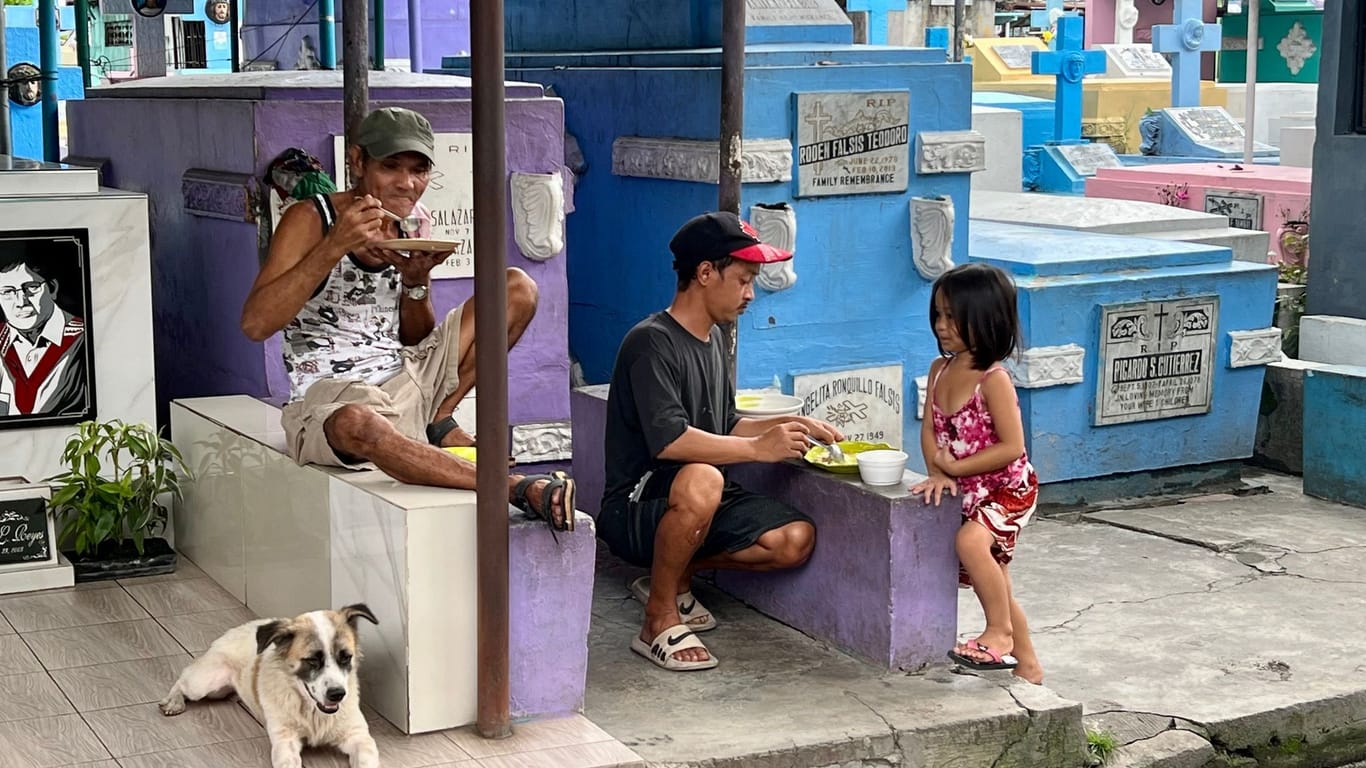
1002,500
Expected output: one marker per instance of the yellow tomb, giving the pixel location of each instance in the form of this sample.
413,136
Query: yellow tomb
1111,106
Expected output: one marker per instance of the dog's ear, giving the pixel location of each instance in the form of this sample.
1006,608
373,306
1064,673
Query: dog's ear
272,633
358,611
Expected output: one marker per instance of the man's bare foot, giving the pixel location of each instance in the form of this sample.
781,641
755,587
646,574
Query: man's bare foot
656,624
457,438
534,496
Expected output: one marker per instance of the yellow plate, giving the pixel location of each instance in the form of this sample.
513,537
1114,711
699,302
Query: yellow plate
851,448
465,452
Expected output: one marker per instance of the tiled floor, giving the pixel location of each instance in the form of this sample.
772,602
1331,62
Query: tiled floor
81,671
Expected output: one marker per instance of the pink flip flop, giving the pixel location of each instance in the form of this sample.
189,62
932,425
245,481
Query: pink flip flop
998,661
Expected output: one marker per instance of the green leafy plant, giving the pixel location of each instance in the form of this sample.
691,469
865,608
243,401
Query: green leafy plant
18,2
1100,745
116,475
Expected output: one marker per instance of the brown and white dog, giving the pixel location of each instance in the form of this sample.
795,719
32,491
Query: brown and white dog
297,675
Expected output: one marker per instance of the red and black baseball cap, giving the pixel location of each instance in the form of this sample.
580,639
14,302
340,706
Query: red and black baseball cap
718,234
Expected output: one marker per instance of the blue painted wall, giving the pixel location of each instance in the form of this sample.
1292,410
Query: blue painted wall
270,31
853,254
217,43
21,46
1334,421
1064,278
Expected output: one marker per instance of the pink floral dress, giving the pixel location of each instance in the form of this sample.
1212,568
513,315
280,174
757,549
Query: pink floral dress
1002,500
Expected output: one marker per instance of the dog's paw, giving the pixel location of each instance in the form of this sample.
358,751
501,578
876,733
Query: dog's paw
172,705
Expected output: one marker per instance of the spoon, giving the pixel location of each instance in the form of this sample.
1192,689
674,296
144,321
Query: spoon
409,225
833,450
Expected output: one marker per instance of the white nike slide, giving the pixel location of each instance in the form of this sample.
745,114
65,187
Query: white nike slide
671,641
693,613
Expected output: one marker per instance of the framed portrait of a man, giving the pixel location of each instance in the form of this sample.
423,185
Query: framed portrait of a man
47,355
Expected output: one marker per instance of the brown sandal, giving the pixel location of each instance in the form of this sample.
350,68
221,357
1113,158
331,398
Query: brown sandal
557,480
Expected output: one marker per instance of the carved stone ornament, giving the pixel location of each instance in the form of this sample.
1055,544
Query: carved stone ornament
1296,48
1259,347
922,394
932,235
538,214
950,152
1126,18
1039,367
777,226
25,84
693,160
552,441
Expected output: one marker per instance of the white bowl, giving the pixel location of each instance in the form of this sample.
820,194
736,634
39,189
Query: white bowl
766,403
882,467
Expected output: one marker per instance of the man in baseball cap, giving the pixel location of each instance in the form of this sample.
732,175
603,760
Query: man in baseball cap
394,130
672,427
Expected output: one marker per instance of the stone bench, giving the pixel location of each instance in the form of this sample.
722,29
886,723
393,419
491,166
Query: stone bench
286,539
881,583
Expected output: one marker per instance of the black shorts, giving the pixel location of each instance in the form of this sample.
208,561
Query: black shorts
628,527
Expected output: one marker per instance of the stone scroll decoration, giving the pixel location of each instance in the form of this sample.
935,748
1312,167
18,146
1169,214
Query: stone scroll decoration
220,195
550,441
1257,347
1039,367
950,152
538,214
932,221
699,161
777,226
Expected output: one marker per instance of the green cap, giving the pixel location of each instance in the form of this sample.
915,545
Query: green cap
392,130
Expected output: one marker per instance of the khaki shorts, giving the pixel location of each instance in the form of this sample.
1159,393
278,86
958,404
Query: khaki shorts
408,400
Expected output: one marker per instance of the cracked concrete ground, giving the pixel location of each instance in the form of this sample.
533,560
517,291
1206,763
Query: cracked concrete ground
1216,630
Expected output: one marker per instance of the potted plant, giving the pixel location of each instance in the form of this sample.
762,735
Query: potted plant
108,503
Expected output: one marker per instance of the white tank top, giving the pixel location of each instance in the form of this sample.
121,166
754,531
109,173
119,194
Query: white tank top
349,327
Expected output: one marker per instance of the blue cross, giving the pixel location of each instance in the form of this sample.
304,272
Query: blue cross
878,11
938,37
1187,36
1069,64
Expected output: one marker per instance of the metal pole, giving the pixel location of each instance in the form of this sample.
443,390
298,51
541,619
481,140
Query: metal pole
355,64
379,35
6,146
732,130
48,56
327,34
732,103
415,33
83,40
957,30
490,343
1250,114
235,30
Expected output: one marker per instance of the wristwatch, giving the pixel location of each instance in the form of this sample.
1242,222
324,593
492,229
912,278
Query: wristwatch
416,292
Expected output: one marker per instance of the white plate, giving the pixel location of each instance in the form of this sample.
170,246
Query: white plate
417,244
770,404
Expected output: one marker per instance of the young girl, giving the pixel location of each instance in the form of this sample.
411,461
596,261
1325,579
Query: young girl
974,445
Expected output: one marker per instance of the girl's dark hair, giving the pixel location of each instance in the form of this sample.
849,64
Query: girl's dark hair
982,300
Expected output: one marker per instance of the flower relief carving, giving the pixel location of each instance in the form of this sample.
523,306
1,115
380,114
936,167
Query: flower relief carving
951,152
1296,48
932,221
777,226
538,214
1039,367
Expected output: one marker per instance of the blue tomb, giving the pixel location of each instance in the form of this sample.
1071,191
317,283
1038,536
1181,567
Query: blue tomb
1036,115
1138,354
840,141
1334,417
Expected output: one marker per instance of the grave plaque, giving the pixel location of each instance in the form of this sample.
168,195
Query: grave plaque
449,196
1137,61
1156,359
24,531
1086,158
853,142
866,403
1243,209
1015,56
792,13
1209,125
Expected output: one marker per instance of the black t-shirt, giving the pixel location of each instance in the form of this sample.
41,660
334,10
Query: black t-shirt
665,380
